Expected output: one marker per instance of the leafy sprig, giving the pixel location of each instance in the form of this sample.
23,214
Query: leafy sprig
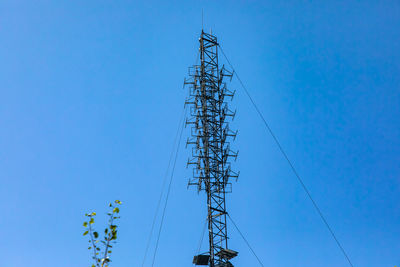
102,248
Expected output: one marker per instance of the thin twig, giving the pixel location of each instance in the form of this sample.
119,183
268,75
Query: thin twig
93,243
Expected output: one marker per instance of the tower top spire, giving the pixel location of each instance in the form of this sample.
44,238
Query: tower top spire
202,19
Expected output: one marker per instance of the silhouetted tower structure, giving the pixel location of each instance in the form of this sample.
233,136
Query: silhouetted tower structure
210,140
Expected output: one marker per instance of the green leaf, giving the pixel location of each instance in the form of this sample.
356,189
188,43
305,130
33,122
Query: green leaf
96,235
91,221
116,210
106,230
93,214
85,224
118,202
86,232
114,236
89,248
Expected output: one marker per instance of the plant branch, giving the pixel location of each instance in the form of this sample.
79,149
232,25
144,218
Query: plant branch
93,244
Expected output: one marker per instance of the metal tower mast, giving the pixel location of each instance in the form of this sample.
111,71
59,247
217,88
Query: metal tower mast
210,140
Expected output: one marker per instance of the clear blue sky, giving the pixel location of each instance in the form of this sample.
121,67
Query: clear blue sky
90,98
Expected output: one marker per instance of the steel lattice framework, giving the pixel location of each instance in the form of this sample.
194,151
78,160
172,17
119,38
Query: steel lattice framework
210,140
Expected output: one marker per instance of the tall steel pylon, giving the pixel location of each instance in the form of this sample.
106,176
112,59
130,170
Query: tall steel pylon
210,140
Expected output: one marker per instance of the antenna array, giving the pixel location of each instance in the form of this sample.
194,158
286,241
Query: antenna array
210,141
